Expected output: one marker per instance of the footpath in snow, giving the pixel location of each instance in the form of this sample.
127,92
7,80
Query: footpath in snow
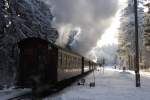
110,85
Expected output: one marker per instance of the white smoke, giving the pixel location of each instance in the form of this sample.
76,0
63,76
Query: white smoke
91,16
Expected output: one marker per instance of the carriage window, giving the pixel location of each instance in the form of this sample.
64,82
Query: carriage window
71,61
62,60
68,61
75,62
79,62
49,47
59,59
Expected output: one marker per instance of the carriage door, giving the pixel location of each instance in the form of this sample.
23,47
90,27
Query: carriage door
27,64
32,61
41,63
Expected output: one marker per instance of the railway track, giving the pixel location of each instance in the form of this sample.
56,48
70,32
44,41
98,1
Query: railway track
26,96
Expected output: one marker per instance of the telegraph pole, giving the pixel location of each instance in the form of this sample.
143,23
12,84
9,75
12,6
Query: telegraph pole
137,74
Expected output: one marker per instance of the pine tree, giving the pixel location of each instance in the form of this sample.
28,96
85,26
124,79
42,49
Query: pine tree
21,19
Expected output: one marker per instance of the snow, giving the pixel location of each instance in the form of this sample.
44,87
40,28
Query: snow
10,93
113,84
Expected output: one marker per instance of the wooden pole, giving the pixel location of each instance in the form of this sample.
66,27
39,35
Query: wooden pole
137,74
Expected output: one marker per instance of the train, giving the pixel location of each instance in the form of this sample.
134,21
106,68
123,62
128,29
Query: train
42,63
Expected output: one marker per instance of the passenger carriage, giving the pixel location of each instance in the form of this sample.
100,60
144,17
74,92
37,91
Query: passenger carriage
44,63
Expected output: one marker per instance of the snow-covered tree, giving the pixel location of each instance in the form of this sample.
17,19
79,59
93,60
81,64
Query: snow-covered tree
146,40
127,33
21,19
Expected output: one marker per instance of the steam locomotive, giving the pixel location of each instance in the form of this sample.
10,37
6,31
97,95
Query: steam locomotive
45,64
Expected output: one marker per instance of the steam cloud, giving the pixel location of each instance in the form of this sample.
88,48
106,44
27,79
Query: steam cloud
90,18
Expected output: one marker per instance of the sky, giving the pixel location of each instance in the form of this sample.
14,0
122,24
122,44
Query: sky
111,33
107,45
93,20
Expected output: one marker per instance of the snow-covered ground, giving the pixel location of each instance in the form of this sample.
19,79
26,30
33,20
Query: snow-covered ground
110,85
10,93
